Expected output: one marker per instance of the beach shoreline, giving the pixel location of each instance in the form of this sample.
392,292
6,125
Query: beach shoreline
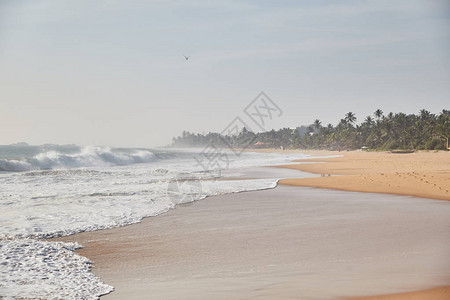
284,242
421,174
126,257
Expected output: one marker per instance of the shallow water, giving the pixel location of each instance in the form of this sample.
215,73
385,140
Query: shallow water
48,191
283,243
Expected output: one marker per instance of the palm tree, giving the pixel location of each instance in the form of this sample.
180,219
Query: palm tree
424,114
443,126
378,114
317,124
403,127
368,120
350,117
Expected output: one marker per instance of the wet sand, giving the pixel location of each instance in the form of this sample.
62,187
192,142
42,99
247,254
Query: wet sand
288,242
294,242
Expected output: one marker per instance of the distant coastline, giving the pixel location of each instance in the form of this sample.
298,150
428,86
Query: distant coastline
394,131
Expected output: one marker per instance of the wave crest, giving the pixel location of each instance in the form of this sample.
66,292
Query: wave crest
87,157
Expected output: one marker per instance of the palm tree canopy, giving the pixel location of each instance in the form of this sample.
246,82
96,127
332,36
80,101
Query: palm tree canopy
424,130
317,123
378,113
350,117
368,120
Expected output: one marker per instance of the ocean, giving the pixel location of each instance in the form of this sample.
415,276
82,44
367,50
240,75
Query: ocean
52,190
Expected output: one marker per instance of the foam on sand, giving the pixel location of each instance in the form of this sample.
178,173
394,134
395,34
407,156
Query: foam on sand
51,270
115,187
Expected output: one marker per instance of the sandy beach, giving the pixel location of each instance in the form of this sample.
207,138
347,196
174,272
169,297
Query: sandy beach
439,293
422,174
289,242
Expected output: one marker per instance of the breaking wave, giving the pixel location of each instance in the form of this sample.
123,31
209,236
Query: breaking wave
61,194
86,157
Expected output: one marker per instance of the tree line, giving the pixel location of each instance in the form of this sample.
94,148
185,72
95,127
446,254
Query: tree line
424,131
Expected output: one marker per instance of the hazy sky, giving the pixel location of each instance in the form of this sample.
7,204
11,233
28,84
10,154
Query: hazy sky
113,72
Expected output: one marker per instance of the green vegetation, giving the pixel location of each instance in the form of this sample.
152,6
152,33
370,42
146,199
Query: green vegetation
425,131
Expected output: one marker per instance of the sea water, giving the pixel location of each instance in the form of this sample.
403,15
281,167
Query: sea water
51,190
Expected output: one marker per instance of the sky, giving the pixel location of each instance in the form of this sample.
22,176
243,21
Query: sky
112,73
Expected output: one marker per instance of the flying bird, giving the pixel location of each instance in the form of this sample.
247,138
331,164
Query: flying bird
186,57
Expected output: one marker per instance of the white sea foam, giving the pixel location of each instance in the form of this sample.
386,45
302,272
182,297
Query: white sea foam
87,157
46,270
15,165
113,188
